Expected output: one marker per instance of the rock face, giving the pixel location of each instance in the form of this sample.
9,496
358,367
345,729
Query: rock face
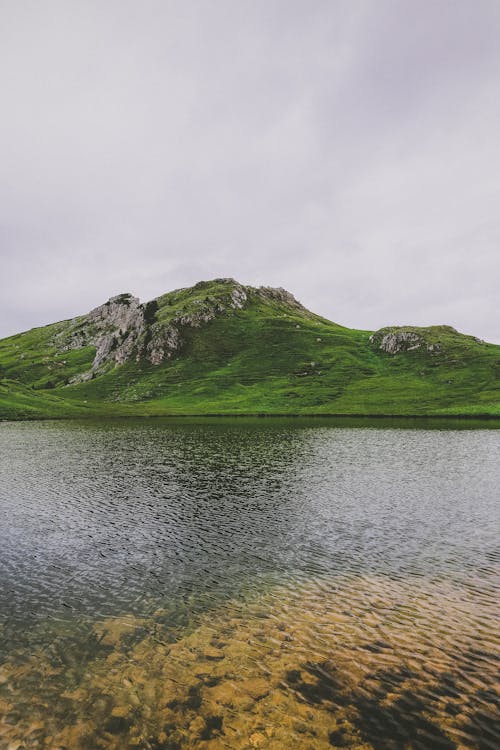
119,323
165,341
396,340
280,295
114,329
399,341
123,329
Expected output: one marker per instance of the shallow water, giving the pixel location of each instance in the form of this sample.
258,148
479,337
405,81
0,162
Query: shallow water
248,583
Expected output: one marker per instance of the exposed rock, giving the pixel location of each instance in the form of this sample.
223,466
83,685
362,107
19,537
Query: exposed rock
120,312
396,340
239,297
113,328
205,314
165,341
280,295
123,329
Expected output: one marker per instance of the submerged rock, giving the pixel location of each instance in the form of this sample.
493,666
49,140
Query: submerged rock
334,683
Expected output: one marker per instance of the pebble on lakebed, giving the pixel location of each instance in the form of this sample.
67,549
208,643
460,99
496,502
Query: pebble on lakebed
359,663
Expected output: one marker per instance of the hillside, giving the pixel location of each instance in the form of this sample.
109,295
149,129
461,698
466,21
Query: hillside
223,348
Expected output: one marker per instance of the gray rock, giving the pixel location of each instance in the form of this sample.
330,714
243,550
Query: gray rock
396,341
123,329
280,295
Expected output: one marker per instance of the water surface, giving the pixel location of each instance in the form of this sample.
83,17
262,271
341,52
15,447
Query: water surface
248,583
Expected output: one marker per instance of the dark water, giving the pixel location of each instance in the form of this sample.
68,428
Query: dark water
377,548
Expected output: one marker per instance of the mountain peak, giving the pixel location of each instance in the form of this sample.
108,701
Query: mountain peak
124,329
222,346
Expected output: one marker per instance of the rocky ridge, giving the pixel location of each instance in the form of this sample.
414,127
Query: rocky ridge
124,329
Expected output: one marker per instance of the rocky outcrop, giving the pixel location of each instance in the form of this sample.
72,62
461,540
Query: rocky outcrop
123,329
279,294
239,297
163,343
120,324
396,340
114,329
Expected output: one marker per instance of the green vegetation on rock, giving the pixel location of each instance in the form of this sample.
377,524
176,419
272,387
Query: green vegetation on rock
223,348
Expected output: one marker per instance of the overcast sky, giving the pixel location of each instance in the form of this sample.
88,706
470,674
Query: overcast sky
348,151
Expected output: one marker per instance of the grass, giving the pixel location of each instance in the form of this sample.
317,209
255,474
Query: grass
268,358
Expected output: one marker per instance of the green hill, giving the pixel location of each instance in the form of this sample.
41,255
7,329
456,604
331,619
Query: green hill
223,348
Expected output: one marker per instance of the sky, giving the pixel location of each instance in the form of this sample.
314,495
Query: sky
347,151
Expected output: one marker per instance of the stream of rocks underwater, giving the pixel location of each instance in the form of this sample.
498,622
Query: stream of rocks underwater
182,584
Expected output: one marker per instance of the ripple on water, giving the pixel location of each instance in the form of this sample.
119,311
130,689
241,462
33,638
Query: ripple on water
248,585
357,662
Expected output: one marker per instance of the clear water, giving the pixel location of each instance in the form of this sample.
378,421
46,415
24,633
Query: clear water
142,560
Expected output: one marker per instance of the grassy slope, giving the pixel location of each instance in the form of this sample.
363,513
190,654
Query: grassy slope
267,358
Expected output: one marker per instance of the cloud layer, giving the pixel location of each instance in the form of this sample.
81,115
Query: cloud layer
345,150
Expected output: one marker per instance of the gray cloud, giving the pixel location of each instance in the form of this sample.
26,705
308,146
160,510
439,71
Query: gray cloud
345,150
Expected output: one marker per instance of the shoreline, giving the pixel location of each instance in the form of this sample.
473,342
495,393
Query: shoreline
260,416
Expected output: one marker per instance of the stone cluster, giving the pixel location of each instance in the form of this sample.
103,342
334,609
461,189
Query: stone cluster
335,663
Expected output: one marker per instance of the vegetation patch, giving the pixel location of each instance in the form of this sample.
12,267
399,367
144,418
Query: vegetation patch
222,348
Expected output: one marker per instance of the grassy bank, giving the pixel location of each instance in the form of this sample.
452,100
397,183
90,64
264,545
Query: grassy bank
267,358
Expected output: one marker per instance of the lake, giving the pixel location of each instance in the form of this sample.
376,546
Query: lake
249,583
